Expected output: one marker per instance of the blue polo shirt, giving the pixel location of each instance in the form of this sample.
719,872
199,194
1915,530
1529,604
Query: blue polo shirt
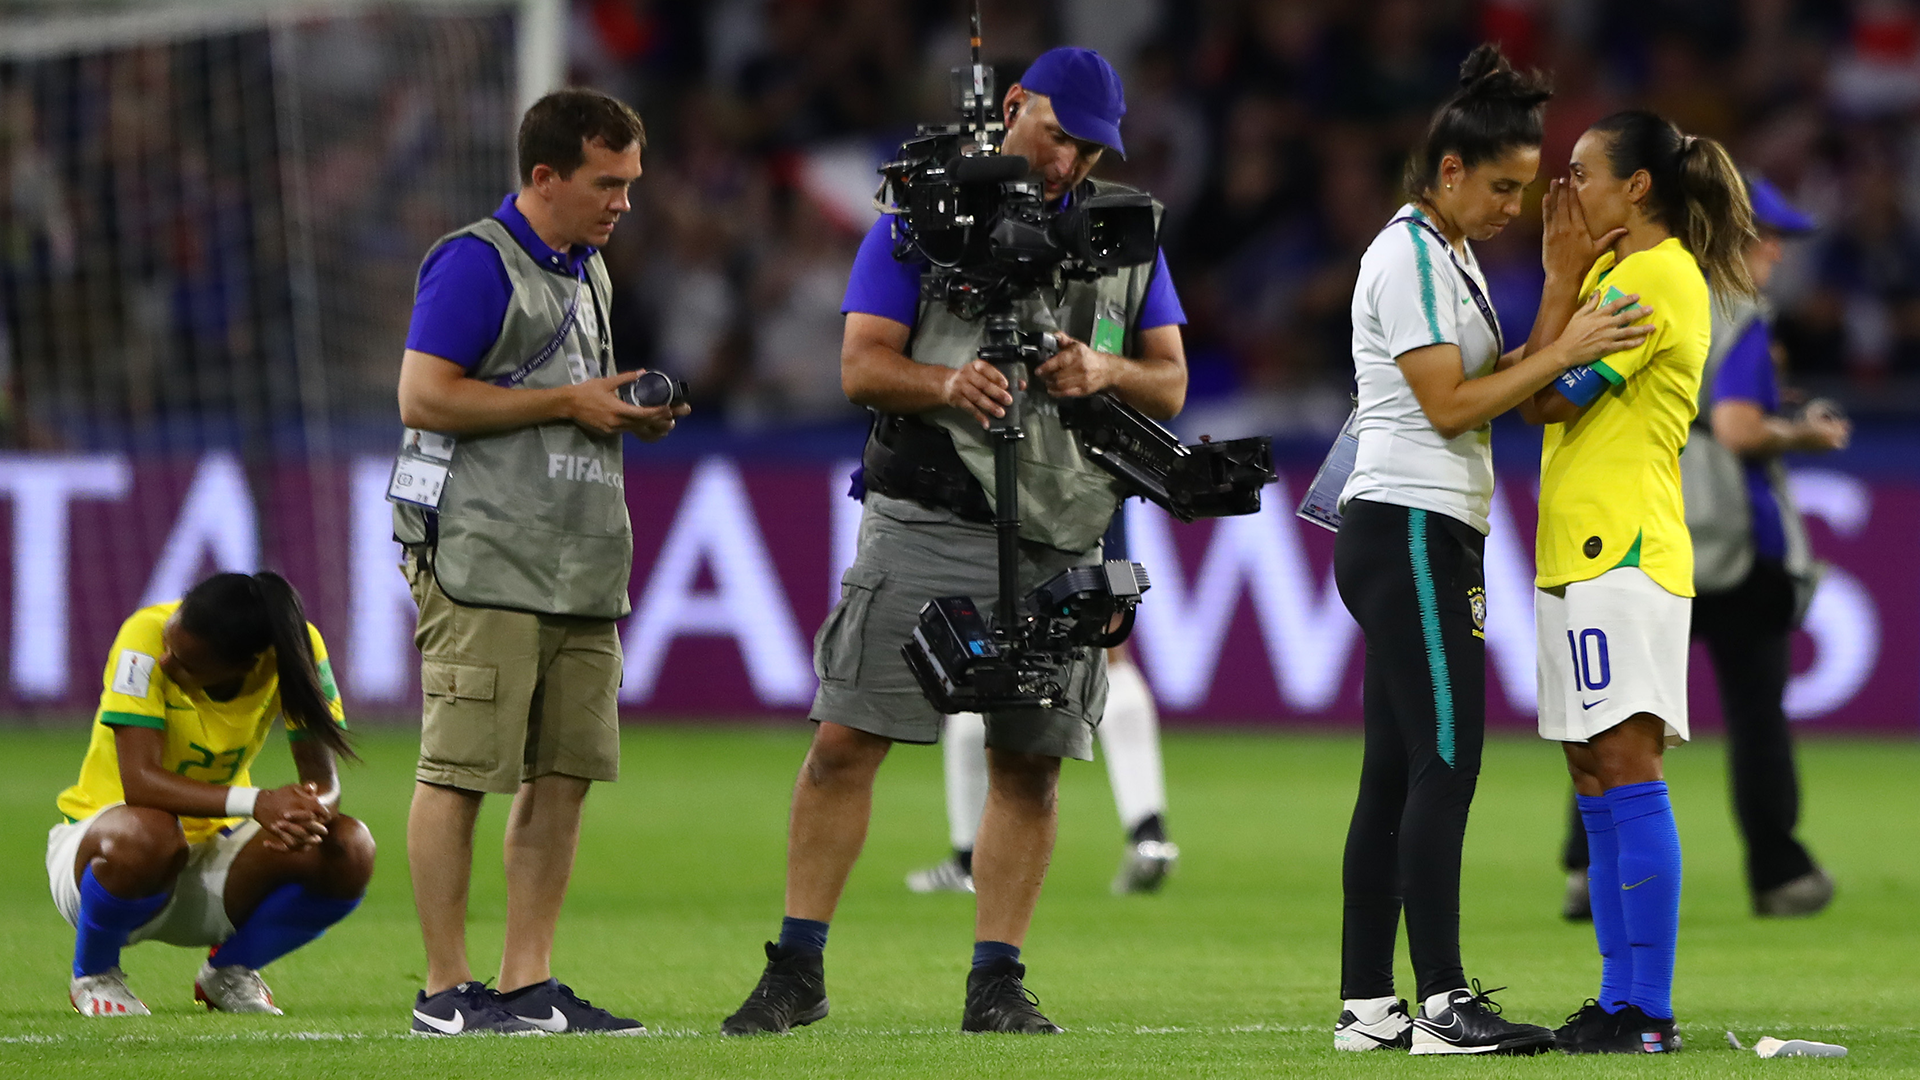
463,294
885,286
1746,374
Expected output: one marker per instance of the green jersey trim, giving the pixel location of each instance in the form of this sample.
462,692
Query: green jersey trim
1632,557
127,719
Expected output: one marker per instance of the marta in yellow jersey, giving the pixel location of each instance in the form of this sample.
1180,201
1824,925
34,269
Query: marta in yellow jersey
1610,479
164,836
1649,211
214,741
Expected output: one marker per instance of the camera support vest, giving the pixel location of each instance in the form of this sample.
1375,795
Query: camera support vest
1066,500
535,518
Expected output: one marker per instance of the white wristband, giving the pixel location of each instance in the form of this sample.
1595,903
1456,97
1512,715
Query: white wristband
240,801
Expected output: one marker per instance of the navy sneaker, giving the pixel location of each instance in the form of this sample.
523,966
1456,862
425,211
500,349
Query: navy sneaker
553,1007
467,1009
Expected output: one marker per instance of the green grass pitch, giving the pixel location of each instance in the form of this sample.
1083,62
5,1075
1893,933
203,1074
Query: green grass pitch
1231,972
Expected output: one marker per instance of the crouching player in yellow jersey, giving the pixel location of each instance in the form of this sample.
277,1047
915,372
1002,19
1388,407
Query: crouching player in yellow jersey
164,838
1644,211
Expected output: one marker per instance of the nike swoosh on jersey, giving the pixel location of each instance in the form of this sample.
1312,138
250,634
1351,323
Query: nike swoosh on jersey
1584,706
445,1027
555,1023
1637,884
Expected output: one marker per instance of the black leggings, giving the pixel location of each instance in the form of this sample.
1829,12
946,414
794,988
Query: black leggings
1412,579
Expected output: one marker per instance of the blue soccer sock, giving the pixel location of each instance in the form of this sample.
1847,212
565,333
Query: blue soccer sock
105,921
803,935
986,952
288,918
1603,888
1649,889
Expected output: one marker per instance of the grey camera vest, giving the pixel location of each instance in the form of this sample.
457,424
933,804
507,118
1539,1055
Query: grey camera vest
1714,483
1066,501
535,518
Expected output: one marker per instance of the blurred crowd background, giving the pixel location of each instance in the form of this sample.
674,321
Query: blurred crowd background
1273,130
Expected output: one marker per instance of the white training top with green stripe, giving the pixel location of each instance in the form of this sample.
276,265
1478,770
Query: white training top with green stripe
1411,295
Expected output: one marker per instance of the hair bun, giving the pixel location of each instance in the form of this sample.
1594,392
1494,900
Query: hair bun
1483,65
1486,74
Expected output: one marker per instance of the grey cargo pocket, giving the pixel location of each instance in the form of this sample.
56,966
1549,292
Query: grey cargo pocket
838,645
458,725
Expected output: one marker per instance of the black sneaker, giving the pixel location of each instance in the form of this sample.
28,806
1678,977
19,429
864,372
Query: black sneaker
553,1007
792,993
998,1001
1628,1031
1471,1024
1583,1026
467,1009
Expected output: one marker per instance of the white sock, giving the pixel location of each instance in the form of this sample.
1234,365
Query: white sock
1369,1010
964,752
1437,1003
1130,740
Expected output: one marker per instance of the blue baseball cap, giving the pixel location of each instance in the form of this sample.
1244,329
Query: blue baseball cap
1772,210
1086,94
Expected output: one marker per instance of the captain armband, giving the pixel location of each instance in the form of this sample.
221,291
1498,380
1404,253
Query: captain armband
1581,385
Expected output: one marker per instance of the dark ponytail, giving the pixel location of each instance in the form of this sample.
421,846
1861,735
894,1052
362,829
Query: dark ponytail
240,616
1495,110
1698,193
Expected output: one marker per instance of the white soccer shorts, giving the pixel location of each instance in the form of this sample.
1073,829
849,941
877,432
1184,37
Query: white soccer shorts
1612,647
196,914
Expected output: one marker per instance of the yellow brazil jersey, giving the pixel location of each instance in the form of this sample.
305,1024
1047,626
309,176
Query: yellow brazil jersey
1610,481
208,740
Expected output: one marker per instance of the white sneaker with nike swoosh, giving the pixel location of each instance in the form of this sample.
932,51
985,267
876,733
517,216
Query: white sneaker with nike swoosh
553,1007
1392,1031
467,1009
1470,1023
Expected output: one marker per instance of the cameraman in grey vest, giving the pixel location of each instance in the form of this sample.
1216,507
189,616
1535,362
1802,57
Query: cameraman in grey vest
509,497
926,531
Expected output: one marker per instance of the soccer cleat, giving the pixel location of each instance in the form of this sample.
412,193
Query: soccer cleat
553,1007
105,994
998,1001
945,876
1808,894
792,993
1471,1024
1577,905
1628,1031
233,989
467,1009
1393,1032
1584,1025
1145,867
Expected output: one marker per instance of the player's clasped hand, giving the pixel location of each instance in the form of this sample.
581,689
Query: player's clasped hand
980,389
293,817
1598,330
1077,369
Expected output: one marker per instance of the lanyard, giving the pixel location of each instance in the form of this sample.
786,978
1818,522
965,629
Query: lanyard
1473,287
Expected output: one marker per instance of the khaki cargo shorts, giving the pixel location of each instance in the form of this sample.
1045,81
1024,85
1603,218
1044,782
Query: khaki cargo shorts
908,555
511,695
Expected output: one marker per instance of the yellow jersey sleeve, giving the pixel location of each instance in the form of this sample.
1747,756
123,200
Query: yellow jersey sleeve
1651,280
328,686
134,688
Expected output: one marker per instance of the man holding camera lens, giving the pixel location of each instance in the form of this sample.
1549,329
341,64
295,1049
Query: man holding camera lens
509,497
927,532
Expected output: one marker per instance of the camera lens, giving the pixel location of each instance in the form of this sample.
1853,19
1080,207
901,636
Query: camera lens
654,388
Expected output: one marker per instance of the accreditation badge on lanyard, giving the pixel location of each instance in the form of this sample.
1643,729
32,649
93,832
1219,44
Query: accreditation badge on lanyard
1109,330
420,469
1321,504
